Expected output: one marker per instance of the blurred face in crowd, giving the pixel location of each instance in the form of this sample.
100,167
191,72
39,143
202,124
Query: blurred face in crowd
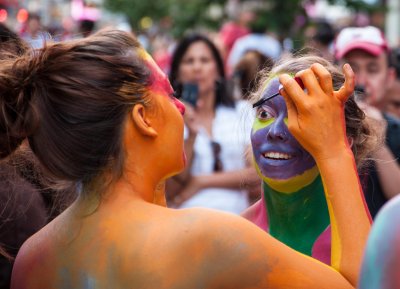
372,73
199,66
34,25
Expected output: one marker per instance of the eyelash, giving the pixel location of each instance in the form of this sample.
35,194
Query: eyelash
176,94
262,110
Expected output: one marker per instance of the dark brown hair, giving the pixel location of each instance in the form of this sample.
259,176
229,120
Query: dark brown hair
70,100
360,129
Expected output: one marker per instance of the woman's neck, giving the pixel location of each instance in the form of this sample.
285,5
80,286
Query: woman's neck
298,218
128,189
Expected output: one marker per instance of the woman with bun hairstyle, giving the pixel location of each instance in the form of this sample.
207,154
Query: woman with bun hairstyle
101,117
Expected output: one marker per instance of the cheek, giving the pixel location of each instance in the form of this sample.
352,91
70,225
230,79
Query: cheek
258,138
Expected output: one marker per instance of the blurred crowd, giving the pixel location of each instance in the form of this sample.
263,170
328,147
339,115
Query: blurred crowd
215,73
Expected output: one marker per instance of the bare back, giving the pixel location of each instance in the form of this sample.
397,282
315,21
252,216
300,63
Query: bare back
148,246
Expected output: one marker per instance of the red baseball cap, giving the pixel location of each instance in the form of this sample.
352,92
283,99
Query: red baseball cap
370,39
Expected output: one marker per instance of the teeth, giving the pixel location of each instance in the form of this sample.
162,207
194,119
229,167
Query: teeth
277,156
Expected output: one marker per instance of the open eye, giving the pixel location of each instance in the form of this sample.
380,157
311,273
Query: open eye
264,113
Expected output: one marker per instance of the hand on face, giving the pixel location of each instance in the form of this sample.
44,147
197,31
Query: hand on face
316,117
278,155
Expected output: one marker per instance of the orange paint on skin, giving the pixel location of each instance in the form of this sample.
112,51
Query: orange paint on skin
122,238
159,81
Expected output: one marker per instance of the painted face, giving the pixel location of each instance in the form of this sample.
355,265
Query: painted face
199,66
170,111
160,82
277,153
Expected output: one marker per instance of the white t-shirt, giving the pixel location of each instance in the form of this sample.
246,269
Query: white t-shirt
231,128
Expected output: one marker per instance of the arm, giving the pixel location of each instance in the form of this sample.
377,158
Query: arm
316,119
246,178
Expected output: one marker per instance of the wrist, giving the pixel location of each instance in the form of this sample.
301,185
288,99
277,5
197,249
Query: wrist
336,158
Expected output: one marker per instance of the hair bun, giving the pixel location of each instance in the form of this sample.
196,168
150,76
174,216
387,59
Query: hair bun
17,117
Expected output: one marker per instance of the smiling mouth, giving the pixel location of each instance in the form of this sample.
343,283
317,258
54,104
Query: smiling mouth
277,156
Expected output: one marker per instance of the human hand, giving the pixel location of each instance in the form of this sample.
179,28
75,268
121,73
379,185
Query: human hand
316,116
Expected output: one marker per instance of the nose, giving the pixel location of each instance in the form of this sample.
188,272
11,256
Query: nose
180,106
361,79
278,131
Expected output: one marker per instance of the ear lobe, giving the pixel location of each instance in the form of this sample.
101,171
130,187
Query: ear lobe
142,122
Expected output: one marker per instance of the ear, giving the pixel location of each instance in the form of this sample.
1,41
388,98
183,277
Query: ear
141,120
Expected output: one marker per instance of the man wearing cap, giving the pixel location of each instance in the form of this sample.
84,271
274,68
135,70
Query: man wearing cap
366,50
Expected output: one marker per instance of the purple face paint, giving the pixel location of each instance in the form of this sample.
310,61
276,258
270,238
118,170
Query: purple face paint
277,153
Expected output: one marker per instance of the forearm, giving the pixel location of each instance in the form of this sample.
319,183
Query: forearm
350,220
239,179
236,180
388,171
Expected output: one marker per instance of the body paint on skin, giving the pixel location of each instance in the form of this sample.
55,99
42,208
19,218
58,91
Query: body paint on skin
293,195
297,219
381,263
293,184
278,154
159,81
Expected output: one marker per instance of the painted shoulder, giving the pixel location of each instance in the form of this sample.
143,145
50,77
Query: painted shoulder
381,265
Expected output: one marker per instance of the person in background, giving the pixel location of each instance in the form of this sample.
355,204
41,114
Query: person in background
246,71
233,30
293,208
22,208
218,174
366,50
104,120
319,37
86,27
392,97
34,34
257,40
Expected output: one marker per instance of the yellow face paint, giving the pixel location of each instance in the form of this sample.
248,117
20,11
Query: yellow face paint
293,184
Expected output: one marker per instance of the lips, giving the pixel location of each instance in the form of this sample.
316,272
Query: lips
277,156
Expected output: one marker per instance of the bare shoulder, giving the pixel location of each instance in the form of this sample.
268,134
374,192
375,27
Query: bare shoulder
224,248
230,252
381,259
33,257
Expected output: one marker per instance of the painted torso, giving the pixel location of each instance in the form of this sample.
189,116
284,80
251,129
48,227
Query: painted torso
300,220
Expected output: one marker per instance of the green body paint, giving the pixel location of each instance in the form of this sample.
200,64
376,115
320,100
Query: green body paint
299,218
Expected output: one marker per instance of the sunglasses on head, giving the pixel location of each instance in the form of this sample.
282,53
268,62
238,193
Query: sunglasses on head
216,148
